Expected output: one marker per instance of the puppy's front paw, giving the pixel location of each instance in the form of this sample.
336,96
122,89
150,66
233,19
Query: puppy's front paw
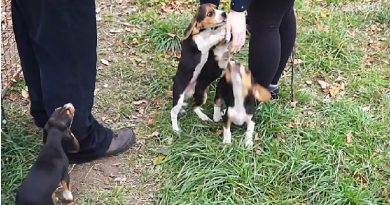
227,136
220,33
249,144
201,115
227,140
217,118
176,128
67,195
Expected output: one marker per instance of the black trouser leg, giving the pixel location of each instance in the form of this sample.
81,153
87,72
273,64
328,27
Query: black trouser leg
288,34
57,45
30,67
266,43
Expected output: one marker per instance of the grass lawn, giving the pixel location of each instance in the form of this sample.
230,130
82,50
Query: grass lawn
332,147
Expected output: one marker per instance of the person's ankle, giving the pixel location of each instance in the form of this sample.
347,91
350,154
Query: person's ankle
274,90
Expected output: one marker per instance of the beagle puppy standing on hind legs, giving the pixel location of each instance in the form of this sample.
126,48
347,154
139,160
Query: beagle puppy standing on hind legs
51,167
238,92
204,57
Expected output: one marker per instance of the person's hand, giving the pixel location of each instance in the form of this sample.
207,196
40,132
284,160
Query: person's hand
236,26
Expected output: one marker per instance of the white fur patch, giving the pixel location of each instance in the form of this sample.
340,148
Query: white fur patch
217,116
238,113
67,195
201,115
249,134
69,106
175,112
204,41
227,136
222,55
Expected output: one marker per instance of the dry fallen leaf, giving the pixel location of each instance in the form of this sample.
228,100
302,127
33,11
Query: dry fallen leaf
280,137
360,178
153,135
25,93
139,102
293,104
337,89
169,93
116,30
171,35
152,118
309,82
259,150
104,62
349,138
257,136
323,84
158,160
365,108
297,61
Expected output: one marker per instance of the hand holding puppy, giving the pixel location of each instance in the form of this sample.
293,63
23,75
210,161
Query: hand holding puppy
236,26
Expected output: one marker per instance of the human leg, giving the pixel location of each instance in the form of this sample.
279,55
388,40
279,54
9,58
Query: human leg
63,37
265,42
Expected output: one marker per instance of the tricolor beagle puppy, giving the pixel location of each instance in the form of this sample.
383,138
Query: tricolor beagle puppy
204,57
238,92
51,167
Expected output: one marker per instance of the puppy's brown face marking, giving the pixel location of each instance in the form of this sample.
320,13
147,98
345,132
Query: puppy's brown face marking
206,17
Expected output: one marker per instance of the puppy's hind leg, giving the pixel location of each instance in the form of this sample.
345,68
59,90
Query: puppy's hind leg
249,134
217,116
175,112
227,135
65,182
200,97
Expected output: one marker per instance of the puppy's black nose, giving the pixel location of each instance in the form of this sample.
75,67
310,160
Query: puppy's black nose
224,15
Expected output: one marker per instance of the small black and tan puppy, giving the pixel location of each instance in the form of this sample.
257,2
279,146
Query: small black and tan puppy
204,57
238,92
51,167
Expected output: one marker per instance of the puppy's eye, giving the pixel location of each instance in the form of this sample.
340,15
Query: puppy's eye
209,14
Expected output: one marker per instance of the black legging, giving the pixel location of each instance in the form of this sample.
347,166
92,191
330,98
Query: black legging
273,31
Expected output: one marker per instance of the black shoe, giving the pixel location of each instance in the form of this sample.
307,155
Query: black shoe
274,90
122,140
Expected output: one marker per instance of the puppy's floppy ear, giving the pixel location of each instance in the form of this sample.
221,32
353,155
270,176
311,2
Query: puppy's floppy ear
192,29
261,94
72,144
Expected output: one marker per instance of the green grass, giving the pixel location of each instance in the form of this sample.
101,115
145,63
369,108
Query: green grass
115,195
314,164
16,157
302,155
166,35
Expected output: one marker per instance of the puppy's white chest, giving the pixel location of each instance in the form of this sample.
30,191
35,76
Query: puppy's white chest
238,115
